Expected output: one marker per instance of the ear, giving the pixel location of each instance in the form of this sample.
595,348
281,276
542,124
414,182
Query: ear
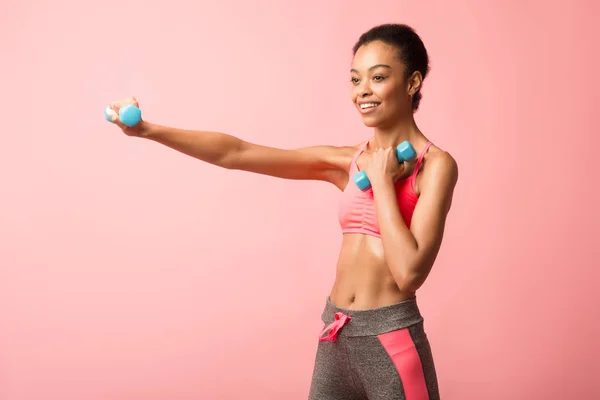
414,83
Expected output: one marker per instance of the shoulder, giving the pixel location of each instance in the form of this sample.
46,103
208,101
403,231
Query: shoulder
441,162
349,150
441,172
339,160
341,156
329,156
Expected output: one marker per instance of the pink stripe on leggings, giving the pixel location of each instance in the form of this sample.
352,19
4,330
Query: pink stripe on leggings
401,348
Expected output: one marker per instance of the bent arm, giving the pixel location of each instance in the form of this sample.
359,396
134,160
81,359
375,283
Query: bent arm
227,151
410,253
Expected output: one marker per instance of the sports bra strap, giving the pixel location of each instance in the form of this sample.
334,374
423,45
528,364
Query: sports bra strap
423,153
359,152
418,164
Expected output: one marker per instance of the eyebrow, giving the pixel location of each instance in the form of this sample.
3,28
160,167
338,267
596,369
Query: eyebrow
373,67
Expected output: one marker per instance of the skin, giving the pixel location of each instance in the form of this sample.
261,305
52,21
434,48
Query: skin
371,272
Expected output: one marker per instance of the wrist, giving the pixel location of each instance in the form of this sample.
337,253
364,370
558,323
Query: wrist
147,130
382,181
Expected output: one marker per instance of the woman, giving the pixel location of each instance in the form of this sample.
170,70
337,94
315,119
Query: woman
373,345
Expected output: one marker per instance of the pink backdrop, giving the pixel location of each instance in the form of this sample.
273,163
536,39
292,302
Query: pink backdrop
129,271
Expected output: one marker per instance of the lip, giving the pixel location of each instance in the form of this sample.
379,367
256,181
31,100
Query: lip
367,110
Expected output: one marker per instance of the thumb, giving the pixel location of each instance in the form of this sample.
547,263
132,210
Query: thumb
391,153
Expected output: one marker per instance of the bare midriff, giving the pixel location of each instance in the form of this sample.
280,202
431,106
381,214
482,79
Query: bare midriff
363,279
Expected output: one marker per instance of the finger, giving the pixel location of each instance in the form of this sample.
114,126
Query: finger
116,105
391,154
134,101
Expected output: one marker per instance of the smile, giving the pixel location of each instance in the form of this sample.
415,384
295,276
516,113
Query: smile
368,105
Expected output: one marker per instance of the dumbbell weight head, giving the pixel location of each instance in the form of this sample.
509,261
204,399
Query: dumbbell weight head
405,152
362,181
129,115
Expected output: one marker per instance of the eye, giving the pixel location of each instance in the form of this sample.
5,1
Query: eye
378,78
354,80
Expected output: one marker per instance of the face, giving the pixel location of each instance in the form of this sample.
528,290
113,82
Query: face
380,91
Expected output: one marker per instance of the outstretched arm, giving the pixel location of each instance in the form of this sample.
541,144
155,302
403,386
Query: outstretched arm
326,163
227,151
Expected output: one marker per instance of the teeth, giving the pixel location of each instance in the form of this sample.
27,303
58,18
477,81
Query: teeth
368,105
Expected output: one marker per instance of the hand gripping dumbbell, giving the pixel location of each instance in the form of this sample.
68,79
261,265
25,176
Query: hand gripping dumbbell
129,115
404,152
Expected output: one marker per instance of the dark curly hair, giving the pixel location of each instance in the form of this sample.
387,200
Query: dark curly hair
412,51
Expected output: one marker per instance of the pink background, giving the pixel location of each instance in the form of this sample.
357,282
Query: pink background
130,271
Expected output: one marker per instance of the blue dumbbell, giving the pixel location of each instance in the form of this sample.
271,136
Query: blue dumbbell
404,152
129,115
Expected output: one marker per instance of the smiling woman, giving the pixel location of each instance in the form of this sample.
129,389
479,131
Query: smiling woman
373,344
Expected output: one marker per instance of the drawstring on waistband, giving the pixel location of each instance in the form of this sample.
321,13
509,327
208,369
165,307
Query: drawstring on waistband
332,330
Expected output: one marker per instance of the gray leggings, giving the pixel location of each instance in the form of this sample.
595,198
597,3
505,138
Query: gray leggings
381,353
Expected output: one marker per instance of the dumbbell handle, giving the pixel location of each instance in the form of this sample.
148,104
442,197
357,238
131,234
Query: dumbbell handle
129,115
404,152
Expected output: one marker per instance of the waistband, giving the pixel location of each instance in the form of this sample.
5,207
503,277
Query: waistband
374,321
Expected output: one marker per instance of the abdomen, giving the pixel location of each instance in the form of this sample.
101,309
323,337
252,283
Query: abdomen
363,278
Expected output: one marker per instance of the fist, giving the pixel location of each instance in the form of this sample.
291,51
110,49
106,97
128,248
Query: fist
384,166
112,113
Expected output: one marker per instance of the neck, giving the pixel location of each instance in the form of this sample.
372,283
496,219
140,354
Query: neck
392,136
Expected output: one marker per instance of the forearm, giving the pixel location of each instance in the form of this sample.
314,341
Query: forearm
399,245
212,147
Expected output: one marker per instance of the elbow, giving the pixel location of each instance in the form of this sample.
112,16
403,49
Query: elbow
232,159
227,162
408,285
409,280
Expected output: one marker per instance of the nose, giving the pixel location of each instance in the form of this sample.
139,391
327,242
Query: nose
364,90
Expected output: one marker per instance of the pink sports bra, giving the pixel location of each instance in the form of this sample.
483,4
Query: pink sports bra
357,212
